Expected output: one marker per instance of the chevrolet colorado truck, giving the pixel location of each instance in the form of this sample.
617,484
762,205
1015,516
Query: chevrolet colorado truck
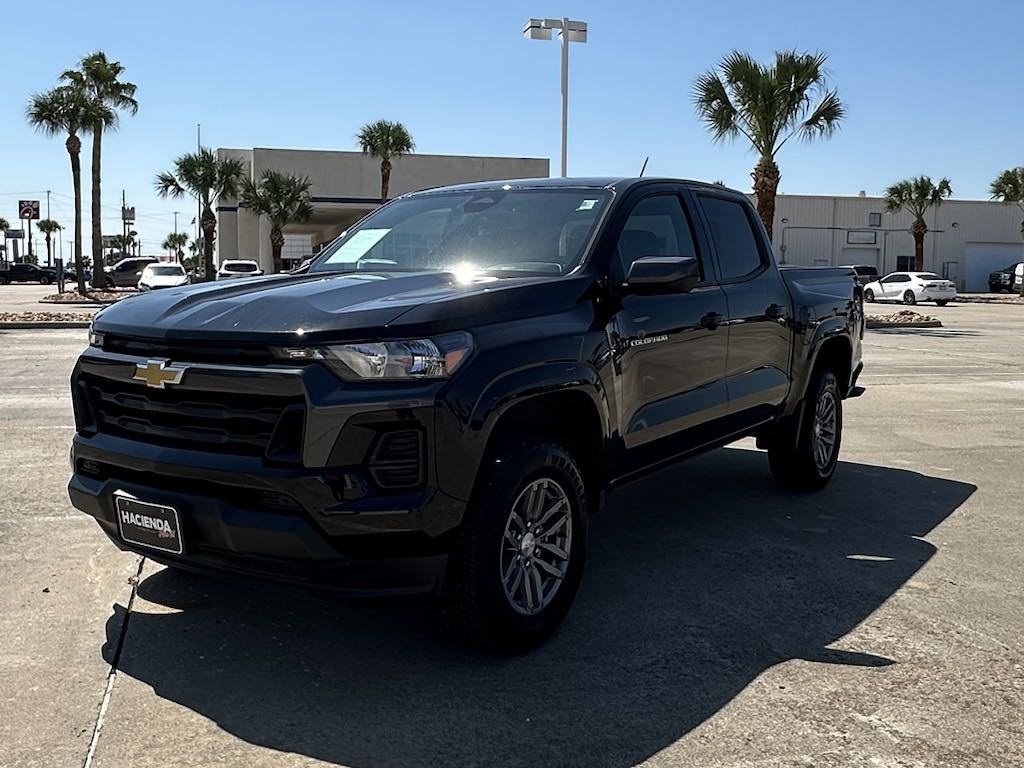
440,400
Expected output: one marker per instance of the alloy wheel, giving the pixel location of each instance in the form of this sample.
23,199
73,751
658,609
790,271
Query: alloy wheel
824,429
536,546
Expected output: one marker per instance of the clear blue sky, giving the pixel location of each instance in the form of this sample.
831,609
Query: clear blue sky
931,87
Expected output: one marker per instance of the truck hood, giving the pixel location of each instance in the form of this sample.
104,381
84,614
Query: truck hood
314,307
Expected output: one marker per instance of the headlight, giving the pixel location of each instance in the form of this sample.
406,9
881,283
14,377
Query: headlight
435,358
95,338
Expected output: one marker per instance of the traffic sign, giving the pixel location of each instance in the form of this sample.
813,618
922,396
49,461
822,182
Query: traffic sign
15,234
28,209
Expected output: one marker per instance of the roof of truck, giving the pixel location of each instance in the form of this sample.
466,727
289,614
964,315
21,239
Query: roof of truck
618,183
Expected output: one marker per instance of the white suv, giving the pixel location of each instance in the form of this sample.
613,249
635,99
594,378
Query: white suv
238,268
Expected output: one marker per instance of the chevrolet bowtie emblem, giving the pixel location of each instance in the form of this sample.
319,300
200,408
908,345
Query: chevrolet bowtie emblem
159,373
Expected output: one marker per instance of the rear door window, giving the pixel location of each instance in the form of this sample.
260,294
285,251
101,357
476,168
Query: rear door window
736,245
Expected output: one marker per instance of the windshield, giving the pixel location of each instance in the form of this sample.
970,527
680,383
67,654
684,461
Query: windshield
240,266
534,231
166,271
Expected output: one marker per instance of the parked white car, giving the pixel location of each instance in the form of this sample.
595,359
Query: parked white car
162,276
910,288
238,268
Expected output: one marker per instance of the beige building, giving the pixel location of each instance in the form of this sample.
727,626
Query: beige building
966,239
345,186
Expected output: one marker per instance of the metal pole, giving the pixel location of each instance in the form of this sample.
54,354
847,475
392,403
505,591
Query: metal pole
565,95
49,257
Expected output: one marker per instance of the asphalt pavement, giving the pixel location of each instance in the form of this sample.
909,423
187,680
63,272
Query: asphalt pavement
721,622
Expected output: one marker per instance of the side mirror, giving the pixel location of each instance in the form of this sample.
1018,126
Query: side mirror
663,274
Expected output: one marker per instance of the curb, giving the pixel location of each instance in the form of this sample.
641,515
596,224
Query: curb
56,324
882,326
78,303
1011,300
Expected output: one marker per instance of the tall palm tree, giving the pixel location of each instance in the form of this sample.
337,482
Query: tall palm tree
48,227
65,110
207,178
1008,186
916,196
281,197
768,104
99,79
385,140
175,243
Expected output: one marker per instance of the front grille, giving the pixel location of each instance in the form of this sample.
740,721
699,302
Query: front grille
188,352
396,460
240,424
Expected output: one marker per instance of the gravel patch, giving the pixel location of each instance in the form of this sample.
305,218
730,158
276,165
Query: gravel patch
992,298
901,319
90,297
44,317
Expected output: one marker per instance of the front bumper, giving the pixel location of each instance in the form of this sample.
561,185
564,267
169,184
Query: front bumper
320,514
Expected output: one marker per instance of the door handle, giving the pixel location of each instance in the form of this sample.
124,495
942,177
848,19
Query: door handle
711,321
775,312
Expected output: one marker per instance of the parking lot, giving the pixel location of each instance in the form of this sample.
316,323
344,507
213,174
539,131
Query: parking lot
721,622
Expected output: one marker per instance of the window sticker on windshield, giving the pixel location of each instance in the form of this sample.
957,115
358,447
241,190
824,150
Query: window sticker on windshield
357,246
586,205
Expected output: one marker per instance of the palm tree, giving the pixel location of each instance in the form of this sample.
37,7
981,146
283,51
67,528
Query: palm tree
384,140
1009,187
916,196
207,178
48,227
281,197
66,111
99,79
175,243
768,105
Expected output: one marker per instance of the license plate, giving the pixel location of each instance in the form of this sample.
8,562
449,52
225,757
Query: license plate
151,525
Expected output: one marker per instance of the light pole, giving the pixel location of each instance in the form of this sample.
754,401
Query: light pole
571,32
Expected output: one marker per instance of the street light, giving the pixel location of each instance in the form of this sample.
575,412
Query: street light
570,32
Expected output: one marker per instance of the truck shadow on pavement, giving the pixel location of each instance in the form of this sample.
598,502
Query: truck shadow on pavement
699,580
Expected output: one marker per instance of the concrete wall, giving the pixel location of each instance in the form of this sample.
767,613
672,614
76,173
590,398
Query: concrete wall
816,230
345,186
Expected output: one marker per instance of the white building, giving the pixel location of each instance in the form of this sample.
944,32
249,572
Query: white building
966,239
345,186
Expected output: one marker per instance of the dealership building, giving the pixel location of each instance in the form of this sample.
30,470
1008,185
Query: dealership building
345,186
966,239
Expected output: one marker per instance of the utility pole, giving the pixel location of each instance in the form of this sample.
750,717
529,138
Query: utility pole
49,257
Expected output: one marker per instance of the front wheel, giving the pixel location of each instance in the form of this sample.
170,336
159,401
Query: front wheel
909,298
869,296
44,280
806,461
518,564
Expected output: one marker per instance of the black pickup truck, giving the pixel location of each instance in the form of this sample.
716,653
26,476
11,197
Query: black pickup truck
439,401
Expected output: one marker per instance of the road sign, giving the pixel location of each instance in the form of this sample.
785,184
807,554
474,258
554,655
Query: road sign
127,214
15,234
28,209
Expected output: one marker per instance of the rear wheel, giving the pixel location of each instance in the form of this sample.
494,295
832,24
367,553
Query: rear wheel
4,280
869,295
909,298
518,565
806,461
941,302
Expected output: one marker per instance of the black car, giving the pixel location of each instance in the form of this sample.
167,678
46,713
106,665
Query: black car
865,273
28,273
1006,279
440,401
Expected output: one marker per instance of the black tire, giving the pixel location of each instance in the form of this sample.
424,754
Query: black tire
108,284
869,296
994,288
792,458
909,298
44,280
475,605
941,302
4,280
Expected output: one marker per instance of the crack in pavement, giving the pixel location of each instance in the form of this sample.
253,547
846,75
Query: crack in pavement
108,691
